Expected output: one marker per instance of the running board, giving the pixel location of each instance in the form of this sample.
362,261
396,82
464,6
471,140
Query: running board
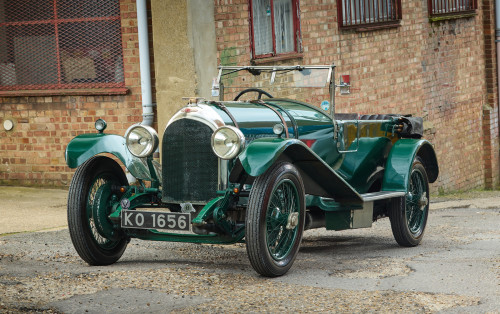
376,196
364,218
360,217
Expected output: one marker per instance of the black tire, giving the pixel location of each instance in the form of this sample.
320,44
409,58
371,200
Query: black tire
275,220
88,207
409,214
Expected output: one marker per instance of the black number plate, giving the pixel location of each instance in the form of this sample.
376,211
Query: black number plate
155,220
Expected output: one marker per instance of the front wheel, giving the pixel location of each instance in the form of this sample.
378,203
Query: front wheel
275,220
408,215
91,194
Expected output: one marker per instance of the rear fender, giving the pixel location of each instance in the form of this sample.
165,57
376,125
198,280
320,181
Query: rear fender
319,178
400,161
85,146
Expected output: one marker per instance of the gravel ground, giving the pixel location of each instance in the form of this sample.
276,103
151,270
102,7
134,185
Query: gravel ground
456,269
50,280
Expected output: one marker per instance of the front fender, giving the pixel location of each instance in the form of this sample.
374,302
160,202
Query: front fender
260,154
85,146
400,161
319,178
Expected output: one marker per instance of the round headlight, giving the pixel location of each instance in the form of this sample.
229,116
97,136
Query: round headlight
227,142
100,125
278,129
142,140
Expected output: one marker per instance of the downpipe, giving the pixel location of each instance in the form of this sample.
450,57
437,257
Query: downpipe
144,62
145,70
497,42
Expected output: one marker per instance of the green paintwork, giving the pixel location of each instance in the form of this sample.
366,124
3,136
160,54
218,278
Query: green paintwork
319,178
217,205
260,154
256,120
220,216
207,211
85,146
340,220
358,168
325,204
138,199
400,161
329,205
190,238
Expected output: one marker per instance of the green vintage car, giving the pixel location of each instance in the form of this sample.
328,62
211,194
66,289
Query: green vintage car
261,171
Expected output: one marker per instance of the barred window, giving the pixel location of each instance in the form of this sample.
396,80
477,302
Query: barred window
60,44
275,28
366,13
451,7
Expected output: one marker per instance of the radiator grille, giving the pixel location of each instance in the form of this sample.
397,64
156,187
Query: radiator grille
190,168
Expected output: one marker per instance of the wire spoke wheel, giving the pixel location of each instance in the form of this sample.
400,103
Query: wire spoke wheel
409,215
283,203
95,203
90,202
414,211
275,220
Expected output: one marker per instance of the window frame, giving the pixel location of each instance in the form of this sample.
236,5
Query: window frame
297,39
60,87
376,24
468,11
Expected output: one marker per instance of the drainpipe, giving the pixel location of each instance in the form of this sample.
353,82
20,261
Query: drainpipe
497,40
147,99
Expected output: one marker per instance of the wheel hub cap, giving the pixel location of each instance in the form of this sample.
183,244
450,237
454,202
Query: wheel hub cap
293,221
423,201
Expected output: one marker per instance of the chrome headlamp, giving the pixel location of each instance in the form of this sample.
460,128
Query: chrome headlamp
100,125
227,142
142,140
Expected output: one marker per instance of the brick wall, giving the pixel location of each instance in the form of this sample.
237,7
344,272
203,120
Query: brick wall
435,70
443,71
33,152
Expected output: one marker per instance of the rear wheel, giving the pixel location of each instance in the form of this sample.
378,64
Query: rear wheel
91,194
275,220
408,215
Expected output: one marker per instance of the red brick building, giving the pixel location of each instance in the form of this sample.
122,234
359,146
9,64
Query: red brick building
62,80
410,60
427,58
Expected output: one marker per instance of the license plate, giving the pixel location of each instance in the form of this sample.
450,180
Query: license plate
155,220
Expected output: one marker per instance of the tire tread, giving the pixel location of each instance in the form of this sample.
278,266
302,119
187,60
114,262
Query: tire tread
258,194
397,216
77,197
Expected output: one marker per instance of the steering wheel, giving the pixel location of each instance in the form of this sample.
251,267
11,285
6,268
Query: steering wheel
249,90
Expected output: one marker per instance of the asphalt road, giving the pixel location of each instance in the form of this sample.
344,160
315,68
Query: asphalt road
456,269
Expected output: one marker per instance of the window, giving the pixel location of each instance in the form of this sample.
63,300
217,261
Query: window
275,28
60,44
451,7
368,13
